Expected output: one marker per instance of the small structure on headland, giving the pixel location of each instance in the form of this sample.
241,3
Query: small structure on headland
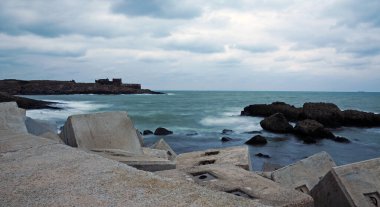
117,82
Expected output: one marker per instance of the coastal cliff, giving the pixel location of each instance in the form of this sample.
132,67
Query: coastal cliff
52,87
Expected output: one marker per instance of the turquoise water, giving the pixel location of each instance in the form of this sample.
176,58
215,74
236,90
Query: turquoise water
197,119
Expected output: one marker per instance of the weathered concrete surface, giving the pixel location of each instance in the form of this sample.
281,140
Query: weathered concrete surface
12,118
233,179
238,156
39,172
356,184
38,127
108,130
52,136
156,153
162,145
147,162
304,174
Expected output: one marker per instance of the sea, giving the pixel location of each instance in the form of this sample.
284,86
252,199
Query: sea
197,119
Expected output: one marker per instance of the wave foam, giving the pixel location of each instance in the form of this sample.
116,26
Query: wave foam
240,124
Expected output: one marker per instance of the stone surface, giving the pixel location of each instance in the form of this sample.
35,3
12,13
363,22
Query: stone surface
257,140
39,172
356,184
226,139
162,145
52,136
238,156
327,114
227,131
147,132
38,127
312,128
12,118
232,179
276,123
304,174
27,103
156,153
360,118
107,130
290,112
162,131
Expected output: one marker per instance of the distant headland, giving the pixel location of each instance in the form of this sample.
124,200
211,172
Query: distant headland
55,87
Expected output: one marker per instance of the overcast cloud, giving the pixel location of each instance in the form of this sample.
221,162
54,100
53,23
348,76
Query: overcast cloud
327,45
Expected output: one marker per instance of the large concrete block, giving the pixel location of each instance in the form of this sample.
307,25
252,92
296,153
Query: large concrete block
237,181
304,174
162,145
151,161
44,173
352,185
107,130
238,156
38,127
12,118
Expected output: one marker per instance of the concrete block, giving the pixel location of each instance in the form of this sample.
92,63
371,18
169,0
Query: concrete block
107,130
38,127
147,162
304,174
351,185
156,153
238,156
12,118
51,174
237,181
162,145
52,136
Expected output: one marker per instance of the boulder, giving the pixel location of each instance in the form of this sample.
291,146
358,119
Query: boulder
226,139
147,132
360,118
341,139
327,114
12,118
262,155
107,130
276,123
257,140
227,131
162,131
290,112
162,145
313,129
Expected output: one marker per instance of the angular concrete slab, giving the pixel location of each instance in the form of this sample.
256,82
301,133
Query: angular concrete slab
50,174
156,153
304,174
109,130
162,145
147,162
356,184
52,136
38,127
238,156
239,182
12,118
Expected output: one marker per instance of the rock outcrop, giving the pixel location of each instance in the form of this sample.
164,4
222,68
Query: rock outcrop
27,103
12,118
327,114
257,140
312,128
276,123
162,131
360,118
290,112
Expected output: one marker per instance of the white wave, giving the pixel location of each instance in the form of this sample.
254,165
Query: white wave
231,111
240,124
170,94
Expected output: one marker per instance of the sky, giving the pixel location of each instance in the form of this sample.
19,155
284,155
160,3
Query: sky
291,45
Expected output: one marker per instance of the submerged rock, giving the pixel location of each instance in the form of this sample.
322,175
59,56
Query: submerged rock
252,132
226,139
162,131
147,132
276,123
341,139
257,140
227,131
262,155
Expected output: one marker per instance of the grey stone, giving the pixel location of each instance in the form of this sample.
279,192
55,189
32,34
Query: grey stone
356,184
237,181
276,123
38,127
162,145
108,130
238,156
12,118
304,174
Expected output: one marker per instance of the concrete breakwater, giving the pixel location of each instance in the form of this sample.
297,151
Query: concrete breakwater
84,170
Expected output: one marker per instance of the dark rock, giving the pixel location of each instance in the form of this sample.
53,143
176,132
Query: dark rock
360,118
226,139
147,132
276,123
162,131
308,140
262,155
192,134
341,139
312,128
257,140
27,103
227,131
290,112
252,132
327,114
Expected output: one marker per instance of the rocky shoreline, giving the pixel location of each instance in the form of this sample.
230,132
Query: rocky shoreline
27,103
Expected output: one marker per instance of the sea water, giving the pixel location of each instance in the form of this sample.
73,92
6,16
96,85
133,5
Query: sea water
197,119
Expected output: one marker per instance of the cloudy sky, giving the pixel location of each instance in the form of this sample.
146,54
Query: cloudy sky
326,45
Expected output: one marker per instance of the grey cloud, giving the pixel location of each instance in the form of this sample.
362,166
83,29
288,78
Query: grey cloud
168,9
258,48
194,47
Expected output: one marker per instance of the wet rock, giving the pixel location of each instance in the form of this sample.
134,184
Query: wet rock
192,134
27,103
341,139
276,123
162,131
360,118
262,155
308,140
226,139
257,140
312,128
327,114
147,132
290,112
252,132
227,131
